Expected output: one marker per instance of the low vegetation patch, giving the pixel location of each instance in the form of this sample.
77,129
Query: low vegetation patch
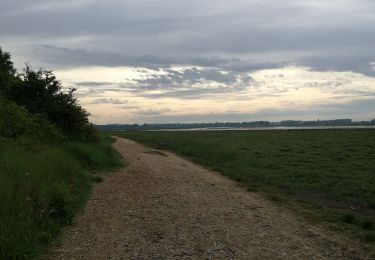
330,173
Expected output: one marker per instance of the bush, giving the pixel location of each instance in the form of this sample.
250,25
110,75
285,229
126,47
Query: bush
39,93
98,156
15,121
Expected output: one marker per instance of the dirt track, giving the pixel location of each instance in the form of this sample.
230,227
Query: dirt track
164,207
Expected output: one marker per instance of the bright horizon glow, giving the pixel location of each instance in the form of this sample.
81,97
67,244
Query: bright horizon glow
284,89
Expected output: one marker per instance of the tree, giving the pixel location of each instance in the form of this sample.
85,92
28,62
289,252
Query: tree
7,71
41,94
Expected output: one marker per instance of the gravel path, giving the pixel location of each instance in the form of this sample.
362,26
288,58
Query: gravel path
164,207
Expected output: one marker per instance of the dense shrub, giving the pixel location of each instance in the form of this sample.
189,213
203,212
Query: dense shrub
41,94
15,121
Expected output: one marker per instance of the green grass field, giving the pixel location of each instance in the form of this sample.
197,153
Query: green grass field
42,186
328,174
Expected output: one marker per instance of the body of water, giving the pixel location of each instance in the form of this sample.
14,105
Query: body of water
266,128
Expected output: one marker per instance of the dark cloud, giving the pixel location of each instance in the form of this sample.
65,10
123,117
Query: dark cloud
190,83
152,112
130,108
88,93
92,84
109,101
66,57
344,62
242,35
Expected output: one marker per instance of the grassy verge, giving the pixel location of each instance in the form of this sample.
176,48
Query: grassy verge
41,189
327,174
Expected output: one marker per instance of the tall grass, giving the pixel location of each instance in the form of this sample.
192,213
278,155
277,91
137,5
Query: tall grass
41,188
97,157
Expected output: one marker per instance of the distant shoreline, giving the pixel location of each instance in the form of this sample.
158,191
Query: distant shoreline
257,128
256,125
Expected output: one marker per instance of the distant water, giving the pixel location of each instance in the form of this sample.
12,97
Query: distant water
264,128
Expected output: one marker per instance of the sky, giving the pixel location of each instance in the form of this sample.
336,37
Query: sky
169,61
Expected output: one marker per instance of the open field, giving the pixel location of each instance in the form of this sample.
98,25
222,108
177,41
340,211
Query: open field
327,174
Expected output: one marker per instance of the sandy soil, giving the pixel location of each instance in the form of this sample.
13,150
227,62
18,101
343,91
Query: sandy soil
164,207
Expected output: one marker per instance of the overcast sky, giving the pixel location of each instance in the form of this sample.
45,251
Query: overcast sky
142,61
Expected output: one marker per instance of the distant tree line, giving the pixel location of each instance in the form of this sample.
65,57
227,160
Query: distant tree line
33,104
256,124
